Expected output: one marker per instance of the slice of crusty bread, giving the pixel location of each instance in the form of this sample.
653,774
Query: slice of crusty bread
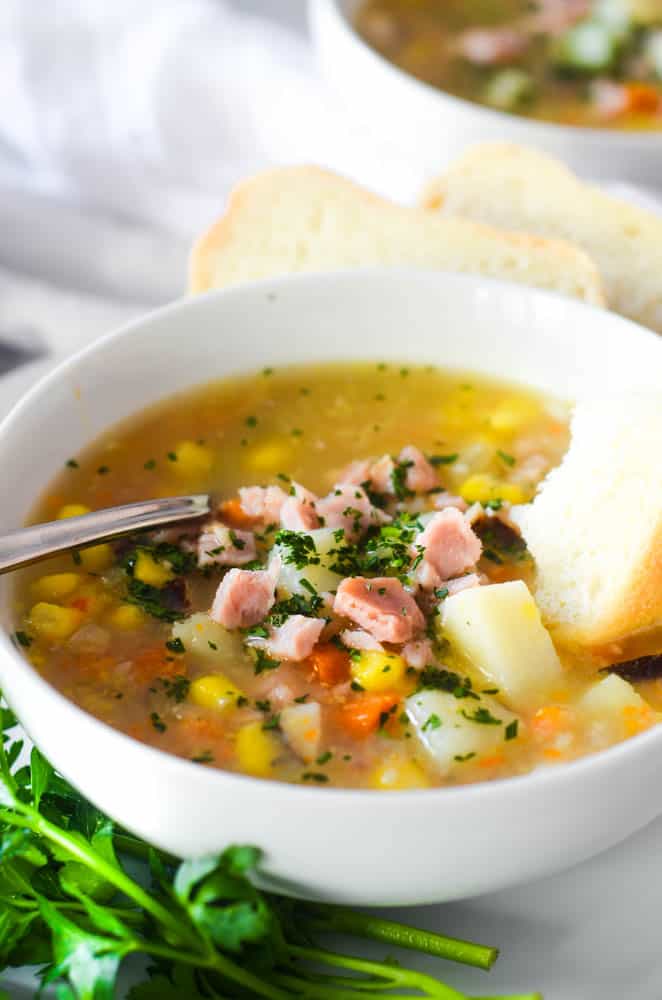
595,528
295,219
506,185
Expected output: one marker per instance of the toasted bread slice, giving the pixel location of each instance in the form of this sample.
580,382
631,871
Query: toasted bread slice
595,528
506,185
296,219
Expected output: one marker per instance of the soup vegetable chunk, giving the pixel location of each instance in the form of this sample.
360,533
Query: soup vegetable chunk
356,612
596,63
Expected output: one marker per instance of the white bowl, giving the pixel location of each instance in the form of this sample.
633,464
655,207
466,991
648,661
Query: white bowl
343,845
429,127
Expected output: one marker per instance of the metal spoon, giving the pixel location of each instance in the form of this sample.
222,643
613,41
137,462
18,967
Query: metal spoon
29,545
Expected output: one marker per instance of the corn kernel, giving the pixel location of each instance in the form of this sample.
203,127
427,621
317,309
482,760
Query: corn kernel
91,599
193,460
513,413
149,571
268,457
127,617
53,623
397,773
55,586
214,691
97,558
377,671
256,750
72,510
480,488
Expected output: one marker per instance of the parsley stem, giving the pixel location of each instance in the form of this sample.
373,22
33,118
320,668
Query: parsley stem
365,925
392,974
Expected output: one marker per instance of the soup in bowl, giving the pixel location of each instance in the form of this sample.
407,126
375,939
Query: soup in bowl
270,674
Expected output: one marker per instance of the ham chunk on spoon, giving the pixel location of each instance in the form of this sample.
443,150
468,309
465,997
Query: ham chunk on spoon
381,606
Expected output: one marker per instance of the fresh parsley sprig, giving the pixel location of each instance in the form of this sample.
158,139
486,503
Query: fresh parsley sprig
68,905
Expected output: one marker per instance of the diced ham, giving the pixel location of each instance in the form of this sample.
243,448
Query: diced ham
356,473
466,582
418,654
553,17
263,502
450,547
347,506
492,46
244,597
421,475
293,640
298,511
219,545
381,606
445,499
301,726
358,639
381,474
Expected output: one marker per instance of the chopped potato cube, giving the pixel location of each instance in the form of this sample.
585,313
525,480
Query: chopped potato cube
397,773
55,586
208,641
319,575
256,750
613,710
481,488
376,671
53,623
127,617
97,558
454,730
149,571
499,629
214,691
72,510
301,727
194,460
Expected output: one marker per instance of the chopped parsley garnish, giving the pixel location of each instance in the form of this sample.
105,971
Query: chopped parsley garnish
157,722
399,480
267,371
441,593
510,732
299,548
76,558
264,662
462,757
242,700
432,722
23,639
315,776
302,698
324,758
251,421
355,686
103,470
206,757
272,723
505,457
212,645
440,679
493,556
176,645
71,463
307,585
443,459
176,688
150,464
172,456
483,716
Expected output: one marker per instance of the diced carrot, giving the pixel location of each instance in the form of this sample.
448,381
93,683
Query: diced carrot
82,603
493,760
642,97
636,718
234,515
548,721
552,753
154,662
330,664
361,716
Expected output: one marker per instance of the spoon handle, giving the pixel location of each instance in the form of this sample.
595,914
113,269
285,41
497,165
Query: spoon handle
28,545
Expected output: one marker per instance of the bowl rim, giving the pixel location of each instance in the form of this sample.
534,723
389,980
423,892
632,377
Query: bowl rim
516,785
536,127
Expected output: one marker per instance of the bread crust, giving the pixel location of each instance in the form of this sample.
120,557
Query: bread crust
206,259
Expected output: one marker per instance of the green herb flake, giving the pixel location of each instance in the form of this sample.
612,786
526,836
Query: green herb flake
482,716
157,722
251,421
510,732
175,645
71,463
150,464
505,457
432,722
443,459
206,757
316,776
103,470
462,757
212,645
324,758
23,639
